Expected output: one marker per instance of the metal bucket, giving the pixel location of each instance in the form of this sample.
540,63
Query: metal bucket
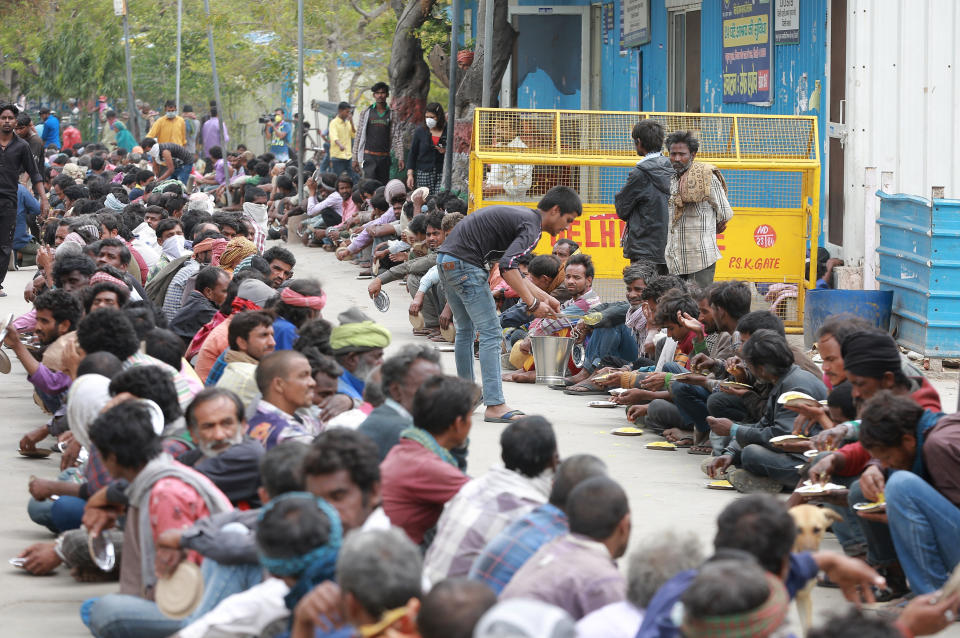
550,356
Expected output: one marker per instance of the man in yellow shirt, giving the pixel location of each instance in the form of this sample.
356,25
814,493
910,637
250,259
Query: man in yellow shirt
170,128
341,140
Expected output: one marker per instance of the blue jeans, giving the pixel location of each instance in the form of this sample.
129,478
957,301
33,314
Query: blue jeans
691,401
779,466
119,615
880,550
183,173
474,310
617,341
925,527
52,514
340,166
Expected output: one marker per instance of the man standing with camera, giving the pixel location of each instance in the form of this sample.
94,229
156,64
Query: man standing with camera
376,138
279,134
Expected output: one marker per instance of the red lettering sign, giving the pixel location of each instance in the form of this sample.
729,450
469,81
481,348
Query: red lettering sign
765,236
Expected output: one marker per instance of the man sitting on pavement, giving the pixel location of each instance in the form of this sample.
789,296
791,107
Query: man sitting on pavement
649,567
162,494
202,303
286,384
299,302
486,505
217,425
250,335
378,588
357,343
402,374
577,572
578,281
512,548
420,474
751,463
918,451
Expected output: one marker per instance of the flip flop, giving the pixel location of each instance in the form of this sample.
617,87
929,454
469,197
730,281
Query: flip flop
702,450
506,418
685,442
588,387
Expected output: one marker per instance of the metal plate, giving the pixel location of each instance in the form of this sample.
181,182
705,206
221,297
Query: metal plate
381,301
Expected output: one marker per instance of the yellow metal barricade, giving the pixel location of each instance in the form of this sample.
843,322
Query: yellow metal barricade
771,165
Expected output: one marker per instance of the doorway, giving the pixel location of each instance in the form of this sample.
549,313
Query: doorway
836,124
683,65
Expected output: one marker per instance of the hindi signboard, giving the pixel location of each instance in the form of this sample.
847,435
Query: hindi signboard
636,23
747,51
787,25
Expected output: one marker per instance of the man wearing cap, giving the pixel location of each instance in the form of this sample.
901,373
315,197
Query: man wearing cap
341,140
357,344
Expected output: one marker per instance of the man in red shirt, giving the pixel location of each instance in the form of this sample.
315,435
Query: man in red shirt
420,475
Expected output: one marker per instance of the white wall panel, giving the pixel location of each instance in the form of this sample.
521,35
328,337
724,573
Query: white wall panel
902,111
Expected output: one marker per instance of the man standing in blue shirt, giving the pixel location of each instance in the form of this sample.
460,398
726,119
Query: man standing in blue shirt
27,204
279,134
51,127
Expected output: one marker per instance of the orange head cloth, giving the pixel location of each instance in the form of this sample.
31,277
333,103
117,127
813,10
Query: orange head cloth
294,298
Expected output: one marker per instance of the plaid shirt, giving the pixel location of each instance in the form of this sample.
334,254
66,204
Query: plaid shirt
480,511
502,557
184,391
692,240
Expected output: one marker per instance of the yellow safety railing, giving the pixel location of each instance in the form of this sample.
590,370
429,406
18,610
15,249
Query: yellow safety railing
771,164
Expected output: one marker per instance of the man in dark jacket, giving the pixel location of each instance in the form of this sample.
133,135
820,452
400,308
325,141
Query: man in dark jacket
642,203
202,303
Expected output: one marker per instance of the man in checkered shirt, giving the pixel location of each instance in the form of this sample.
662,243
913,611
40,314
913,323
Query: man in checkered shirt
486,505
698,211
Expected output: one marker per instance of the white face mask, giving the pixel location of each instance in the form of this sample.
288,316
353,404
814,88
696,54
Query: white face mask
171,114
431,122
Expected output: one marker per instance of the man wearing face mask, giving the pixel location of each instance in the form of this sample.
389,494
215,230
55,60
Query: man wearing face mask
169,129
698,211
170,160
279,134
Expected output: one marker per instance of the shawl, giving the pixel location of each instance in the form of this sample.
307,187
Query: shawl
694,186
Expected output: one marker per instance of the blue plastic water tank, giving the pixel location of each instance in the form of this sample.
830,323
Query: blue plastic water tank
873,306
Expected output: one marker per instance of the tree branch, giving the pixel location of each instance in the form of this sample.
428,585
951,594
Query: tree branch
369,16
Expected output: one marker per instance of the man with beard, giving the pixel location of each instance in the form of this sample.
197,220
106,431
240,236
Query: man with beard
578,281
57,314
357,344
216,422
698,211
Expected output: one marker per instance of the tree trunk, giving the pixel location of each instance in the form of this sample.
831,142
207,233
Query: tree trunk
332,72
470,89
409,73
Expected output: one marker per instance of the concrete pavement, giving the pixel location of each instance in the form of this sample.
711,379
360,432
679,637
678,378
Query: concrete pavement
666,489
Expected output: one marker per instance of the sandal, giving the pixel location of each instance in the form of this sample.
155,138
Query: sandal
702,450
585,388
686,441
507,417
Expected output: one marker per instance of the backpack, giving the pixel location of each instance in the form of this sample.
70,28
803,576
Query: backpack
156,288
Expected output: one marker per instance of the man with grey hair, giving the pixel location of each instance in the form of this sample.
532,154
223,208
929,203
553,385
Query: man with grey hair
649,566
402,374
377,583
453,607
